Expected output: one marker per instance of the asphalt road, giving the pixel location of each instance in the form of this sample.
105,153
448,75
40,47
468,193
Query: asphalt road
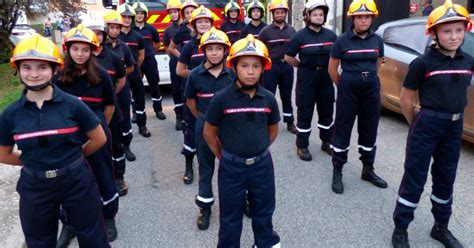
159,210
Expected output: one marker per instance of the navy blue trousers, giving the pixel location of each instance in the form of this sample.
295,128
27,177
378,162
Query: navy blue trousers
429,137
77,192
189,128
150,69
281,75
206,160
313,87
138,95
176,82
124,98
235,181
357,96
118,153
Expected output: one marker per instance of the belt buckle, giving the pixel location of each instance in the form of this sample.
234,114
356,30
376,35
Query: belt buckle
250,161
365,73
51,174
319,68
455,117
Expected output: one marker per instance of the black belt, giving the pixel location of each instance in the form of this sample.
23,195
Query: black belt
365,74
57,172
316,67
246,161
446,116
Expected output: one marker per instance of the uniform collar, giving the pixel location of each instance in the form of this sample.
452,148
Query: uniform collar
433,52
238,93
58,96
285,25
314,32
352,34
202,70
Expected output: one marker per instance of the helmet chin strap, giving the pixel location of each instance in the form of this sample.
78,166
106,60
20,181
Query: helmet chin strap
36,88
441,47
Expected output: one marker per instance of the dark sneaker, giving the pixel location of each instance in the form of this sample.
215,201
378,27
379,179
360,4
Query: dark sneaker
326,147
129,155
160,115
400,238
441,233
144,131
121,185
291,127
203,218
337,186
111,230
369,175
67,234
304,154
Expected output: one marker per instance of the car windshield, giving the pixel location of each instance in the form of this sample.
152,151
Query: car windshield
410,37
208,3
468,45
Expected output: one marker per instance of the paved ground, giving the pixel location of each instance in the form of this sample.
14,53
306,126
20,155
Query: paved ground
159,210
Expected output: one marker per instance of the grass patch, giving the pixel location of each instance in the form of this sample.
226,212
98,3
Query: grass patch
10,86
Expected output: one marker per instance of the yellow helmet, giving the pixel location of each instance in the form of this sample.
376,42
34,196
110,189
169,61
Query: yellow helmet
256,4
140,7
80,34
201,12
113,17
173,4
126,10
278,4
249,46
188,3
363,7
36,47
448,12
231,6
214,36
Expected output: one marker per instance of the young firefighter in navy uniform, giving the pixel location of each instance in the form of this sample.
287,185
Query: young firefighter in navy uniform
149,67
201,20
173,7
89,80
276,37
359,51
232,26
313,84
134,40
241,124
114,23
47,124
440,77
203,82
256,12
183,33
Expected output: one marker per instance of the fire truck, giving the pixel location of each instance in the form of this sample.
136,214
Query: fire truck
158,17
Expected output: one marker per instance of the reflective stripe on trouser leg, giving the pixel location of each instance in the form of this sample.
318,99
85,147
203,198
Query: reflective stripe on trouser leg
281,75
189,130
78,195
150,70
368,119
206,159
176,87
346,111
419,149
138,96
124,98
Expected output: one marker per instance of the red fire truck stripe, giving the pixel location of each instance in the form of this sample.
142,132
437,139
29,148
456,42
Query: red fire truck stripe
445,72
247,110
317,44
22,136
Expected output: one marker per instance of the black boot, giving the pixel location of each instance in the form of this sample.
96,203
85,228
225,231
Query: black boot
400,238
160,115
67,234
189,173
337,186
326,147
304,154
291,127
179,123
144,131
441,233
111,230
203,218
121,185
129,155
369,175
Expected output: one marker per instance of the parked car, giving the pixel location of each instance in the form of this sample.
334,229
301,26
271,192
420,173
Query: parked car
20,32
404,40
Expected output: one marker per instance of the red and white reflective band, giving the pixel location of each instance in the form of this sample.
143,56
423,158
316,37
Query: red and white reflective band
147,37
205,95
23,136
317,44
247,110
186,41
110,72
197,55
89,99
233,32
131,44
279,40
445,72
363,51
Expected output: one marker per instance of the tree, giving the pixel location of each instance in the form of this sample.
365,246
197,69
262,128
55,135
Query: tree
10,11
